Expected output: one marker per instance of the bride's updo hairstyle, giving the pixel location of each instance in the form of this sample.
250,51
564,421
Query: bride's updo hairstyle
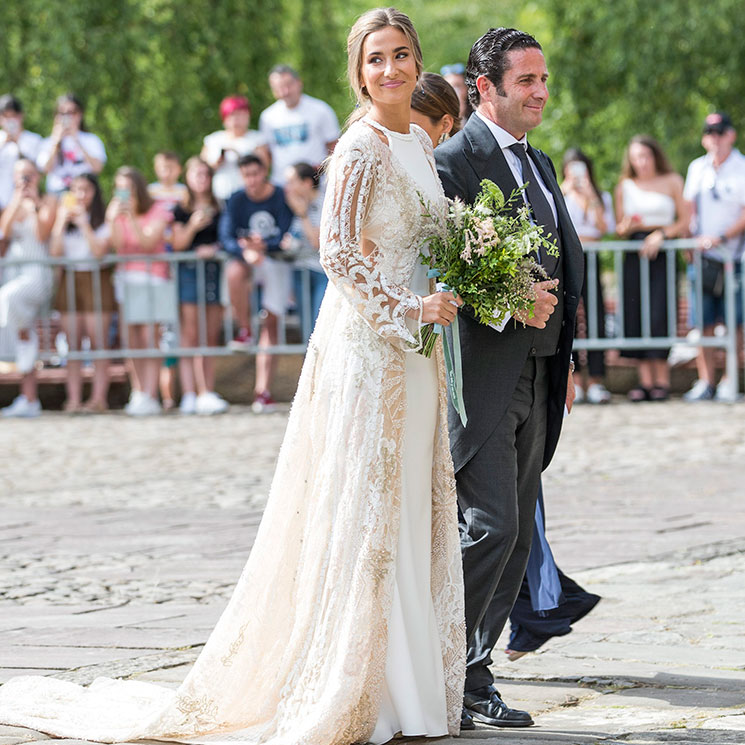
368,23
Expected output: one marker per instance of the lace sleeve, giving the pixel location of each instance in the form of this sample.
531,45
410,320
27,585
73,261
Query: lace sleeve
381,302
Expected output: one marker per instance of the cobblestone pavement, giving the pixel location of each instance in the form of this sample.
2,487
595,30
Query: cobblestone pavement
121,540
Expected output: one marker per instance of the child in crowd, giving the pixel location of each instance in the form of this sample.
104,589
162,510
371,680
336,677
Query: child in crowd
138,226
167,191
80,232
195,229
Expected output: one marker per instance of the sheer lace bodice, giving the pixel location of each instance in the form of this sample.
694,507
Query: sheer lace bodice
297,658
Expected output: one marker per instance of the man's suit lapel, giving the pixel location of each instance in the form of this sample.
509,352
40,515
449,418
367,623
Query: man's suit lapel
487,158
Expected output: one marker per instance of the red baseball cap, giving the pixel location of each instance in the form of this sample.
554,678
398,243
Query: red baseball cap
233,103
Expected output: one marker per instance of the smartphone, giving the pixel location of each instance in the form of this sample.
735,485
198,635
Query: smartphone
577,170
69,201
122,195
66,120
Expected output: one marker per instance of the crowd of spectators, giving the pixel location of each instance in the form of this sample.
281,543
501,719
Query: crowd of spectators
257,195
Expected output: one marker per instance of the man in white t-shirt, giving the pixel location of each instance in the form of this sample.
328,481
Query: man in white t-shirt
715,188
15,142
298,127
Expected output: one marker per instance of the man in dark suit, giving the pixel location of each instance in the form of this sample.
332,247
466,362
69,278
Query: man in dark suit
514,377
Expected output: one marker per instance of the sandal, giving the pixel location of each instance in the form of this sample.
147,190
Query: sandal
639,394
659,393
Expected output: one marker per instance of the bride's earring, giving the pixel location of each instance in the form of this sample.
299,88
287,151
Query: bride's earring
444,136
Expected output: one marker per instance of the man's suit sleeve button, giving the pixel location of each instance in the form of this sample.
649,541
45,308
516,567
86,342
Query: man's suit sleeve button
533,351
563,323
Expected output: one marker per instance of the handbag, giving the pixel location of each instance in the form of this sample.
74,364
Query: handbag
712,277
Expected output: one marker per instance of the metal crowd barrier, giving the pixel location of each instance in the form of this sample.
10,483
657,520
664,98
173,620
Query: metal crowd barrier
669,249
163,314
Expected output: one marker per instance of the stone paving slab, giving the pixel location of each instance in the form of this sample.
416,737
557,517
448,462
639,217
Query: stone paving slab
120,564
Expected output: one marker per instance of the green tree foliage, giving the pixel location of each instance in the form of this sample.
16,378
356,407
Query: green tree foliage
635,66
152,72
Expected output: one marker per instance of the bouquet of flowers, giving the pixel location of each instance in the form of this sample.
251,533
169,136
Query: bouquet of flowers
486,254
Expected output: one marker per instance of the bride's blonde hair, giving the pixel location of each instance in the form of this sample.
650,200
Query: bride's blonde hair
368,23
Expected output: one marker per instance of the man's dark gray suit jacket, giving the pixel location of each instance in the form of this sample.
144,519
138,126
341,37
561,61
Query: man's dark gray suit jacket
493,360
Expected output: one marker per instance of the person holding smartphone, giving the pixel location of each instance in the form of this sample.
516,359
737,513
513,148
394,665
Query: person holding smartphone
15,142
223,148
591,211
195,227
71,149
27,222
138,226
80,232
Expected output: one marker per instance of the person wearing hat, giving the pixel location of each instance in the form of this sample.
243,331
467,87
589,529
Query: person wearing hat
715,189
223,148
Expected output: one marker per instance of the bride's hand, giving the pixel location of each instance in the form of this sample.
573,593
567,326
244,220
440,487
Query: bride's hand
440,308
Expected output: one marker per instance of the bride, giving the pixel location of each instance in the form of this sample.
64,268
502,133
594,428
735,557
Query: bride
346,624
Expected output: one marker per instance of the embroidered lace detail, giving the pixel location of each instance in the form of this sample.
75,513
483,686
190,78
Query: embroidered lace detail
298,655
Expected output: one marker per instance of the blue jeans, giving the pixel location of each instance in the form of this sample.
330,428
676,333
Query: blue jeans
318,282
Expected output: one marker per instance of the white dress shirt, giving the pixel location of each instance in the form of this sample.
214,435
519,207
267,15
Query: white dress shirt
504,140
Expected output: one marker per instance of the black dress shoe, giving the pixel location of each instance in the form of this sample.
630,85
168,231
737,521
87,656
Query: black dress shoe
486,705
466,720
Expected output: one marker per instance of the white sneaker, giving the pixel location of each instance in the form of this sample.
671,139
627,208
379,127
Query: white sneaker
22,408
27,351
579,394
134,399
210,403
700,391
188,403
725,391
143,405
597,393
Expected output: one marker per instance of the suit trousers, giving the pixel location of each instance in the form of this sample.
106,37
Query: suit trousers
497,492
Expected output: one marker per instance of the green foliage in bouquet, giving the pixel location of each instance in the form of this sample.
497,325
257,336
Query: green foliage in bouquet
485,253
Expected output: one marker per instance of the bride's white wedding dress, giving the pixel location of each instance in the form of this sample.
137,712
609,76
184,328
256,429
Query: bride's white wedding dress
340,630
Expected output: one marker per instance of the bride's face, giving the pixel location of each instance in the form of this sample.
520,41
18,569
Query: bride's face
388,67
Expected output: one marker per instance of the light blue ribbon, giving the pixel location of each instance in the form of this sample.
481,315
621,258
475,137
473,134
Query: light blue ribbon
453,358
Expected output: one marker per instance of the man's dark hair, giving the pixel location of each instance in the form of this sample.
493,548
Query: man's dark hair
8,102
284,70
250,160
489,57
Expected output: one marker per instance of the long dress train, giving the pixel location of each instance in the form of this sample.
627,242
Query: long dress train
298,657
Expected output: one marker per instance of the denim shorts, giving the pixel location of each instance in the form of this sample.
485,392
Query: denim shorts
187,283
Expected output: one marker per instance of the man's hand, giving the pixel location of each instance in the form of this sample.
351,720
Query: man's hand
545,304
571,392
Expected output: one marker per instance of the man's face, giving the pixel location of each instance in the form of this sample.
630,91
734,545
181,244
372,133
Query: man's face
254,178
286,87
518,105
718,145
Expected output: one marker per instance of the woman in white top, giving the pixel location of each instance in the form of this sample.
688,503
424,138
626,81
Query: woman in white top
27,222
346,625
85,301
591,211
71,150
222,149
649,208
